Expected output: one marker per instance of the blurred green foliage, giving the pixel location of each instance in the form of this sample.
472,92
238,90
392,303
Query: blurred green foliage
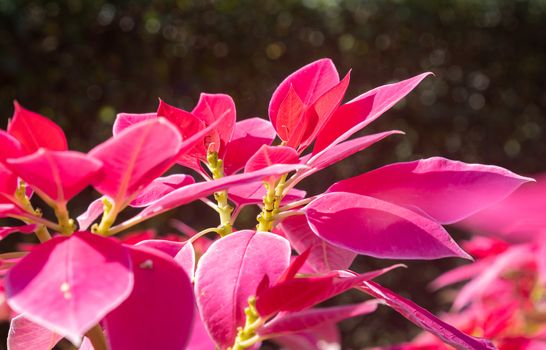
82,61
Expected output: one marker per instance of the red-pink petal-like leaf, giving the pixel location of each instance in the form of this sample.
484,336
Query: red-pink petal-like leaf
424,319
186,258
301,293
188,125
210,108
94,210
444,189
160,306
68,284
361,111
60,175
35,131
170,248
159,188
182,252
370,226
248,136
321,110
346,149
7,230
198,190
299,321
125,120
10,147
270,155
323,257
309,82
25,334
291,110
253,193
135,157
8,185
230,272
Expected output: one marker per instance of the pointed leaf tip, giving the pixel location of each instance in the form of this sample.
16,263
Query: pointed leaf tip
35,131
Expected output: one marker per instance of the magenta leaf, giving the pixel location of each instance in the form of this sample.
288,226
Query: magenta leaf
300,321
361,111
371,226
125,120
444,189
271,155
212,107
159,312
10,147
248,136
7,230
186,258
343,150
309,83
60,175
25,334
8,185
198,190
424,319
170,248
518,218
230,272
159,188
182,252
323,257
69,284
94,210
301,293
35,131
135,157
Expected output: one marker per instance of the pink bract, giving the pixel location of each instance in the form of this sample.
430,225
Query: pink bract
252,255
161,302
69,284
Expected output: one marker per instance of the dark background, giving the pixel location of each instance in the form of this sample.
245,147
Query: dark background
80,62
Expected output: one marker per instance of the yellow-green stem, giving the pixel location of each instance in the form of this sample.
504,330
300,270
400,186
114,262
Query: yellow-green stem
98,340
66,224
21,196
272,201
108,218
246,336
216,167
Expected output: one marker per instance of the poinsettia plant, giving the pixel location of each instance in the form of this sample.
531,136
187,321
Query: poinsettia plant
83,283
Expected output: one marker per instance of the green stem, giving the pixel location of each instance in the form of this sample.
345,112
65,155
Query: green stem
272,201
216,167
108,218
66,224
246,336
97,338
35,214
